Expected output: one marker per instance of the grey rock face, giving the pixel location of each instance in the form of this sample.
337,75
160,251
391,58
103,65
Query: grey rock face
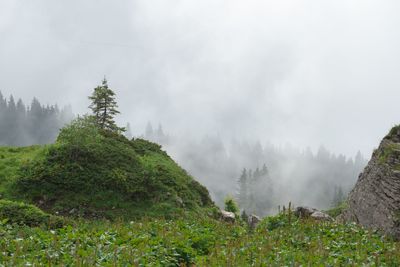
375,200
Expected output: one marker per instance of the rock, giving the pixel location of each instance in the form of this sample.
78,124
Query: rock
304,212
228,216
72,211
375,200
253,221
321,216
307,212
179,201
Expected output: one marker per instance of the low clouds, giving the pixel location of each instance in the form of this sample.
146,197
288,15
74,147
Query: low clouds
308,73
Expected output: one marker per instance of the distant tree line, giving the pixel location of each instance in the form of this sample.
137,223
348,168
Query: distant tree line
23,125
255,193
321,179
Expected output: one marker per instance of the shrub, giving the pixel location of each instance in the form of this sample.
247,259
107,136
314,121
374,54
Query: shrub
231,205
24,214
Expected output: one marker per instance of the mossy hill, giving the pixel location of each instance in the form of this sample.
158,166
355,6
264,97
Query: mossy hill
93,173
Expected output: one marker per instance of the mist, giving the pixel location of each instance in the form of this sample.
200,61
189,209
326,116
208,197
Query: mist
307,73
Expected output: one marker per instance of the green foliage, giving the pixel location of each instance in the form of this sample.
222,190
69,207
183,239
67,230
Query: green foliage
102,174
394,130
336,211
20,213
11,160
388,150
197,241
104,107
231,205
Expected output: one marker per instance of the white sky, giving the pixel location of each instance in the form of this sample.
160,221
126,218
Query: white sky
304,72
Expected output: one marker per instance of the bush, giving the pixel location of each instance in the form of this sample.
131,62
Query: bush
24,214
231,205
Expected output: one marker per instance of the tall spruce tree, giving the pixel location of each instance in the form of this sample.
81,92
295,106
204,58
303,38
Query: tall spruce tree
104,107
243,190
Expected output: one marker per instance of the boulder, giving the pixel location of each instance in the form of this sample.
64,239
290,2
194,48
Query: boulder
253,221
307,212
375,200
321,216
228,216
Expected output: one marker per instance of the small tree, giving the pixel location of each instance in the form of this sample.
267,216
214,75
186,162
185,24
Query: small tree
231,205
104,107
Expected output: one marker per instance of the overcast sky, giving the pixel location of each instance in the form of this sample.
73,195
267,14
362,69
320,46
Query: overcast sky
304,72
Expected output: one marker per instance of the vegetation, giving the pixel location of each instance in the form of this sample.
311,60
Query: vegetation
22,125
104,107
20,213
388,150
132,205
218,164
199,241
336,211
394,131
391,149
94,173
255,194
231,205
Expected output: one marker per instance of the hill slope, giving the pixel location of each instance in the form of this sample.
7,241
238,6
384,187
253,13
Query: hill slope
92,173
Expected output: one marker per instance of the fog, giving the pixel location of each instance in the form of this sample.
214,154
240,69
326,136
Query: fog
305,73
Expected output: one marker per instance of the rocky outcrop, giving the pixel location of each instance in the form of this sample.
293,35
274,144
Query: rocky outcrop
228,216
375,200
307,212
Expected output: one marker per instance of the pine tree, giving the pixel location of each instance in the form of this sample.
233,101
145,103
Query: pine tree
338,196
104,107
243,190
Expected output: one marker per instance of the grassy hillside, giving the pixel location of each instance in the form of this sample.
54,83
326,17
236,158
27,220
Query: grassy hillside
11,160
97,174
199,241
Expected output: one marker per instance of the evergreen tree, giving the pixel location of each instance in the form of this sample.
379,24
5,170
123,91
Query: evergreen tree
11,122
243,190
3,129
104,107
338,196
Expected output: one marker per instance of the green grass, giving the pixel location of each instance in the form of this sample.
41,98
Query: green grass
197,241
11,160
387,151
336,211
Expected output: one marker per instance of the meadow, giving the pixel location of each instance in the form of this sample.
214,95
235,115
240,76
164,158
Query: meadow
199,241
